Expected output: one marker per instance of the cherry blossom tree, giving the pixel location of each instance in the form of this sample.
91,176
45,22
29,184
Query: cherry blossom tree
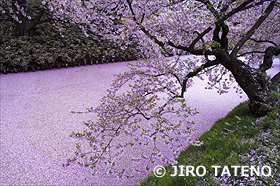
217,33
16,10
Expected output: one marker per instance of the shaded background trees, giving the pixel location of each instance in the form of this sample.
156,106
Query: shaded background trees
34,40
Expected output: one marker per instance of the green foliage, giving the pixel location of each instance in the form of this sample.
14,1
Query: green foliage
275,95
215,44
36,1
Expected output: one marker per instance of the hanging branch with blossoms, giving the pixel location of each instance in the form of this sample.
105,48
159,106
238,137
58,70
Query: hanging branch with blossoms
151,114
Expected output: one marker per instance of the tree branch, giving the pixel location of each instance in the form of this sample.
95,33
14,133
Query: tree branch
263,41
251,52
194,73
234,11
267,62
210,7
252,30
108,144
36,20
200,36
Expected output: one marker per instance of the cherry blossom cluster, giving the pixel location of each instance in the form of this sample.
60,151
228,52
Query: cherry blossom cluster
13,9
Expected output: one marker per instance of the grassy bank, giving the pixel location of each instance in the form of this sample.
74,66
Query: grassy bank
239,139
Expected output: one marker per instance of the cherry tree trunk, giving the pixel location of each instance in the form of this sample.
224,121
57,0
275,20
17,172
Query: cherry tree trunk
21,28
255,84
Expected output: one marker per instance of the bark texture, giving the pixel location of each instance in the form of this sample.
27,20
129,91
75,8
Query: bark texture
255,84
